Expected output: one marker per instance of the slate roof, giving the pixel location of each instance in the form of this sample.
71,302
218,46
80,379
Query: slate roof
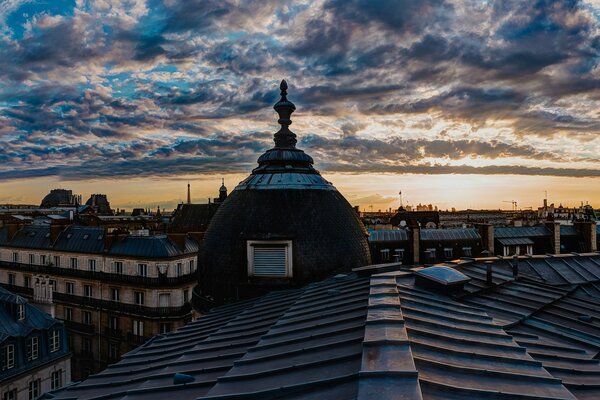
521,231
193,217
90,240
361,337
568,230
391,235
35,319
515,241
449,234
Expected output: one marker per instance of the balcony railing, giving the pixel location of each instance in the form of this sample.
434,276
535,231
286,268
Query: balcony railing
79,327
113,333
136,339
123,307
162,281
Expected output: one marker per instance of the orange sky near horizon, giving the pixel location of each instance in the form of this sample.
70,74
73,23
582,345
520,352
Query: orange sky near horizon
364,190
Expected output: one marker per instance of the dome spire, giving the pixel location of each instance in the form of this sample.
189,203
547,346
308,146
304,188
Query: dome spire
284,138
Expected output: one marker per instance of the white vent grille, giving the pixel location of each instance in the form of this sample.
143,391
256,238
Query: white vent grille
270,258
270,261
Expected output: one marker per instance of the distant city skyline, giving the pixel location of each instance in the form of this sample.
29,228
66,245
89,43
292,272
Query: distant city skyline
381,191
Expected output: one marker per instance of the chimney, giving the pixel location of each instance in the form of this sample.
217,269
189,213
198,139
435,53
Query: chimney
55,230
515,266
488,273
415,238
178,239
554,227
588,231
486,231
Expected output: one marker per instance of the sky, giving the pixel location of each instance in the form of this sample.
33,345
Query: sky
466,104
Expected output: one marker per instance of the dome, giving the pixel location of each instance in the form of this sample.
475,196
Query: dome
284,225
57,198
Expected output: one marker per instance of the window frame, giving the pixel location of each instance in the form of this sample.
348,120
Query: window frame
142,270
34,389
56,379
289,267
141,295
54,341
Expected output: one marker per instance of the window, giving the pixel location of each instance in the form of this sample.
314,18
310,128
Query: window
54,341
398,255
32,349
12,279
21,312
34,389
186,296
165,327
56,379
70,287
92,265
27,280
138,328
431,252
385,254
139,298
114,294
87,290
142,269
113,351
179,269
57,261
31,259
73,263
448,252
270,258
118,267
164,299
10,395
467,252
192,266
87,345
68,314
43,259
8,356
113,322
15,257
87,318
53,284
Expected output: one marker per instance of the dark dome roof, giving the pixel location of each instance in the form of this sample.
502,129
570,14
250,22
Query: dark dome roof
58,197
284,198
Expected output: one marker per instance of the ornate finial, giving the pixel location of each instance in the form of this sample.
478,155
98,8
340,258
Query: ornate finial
284,138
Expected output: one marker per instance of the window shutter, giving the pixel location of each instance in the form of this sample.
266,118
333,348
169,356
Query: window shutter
269,261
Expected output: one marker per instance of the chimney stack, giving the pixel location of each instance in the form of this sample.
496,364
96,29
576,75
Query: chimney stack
588,231
488,273
415,238
554,227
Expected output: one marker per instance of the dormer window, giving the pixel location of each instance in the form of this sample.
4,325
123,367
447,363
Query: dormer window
32,349
21,312
55,341
8,356
271,259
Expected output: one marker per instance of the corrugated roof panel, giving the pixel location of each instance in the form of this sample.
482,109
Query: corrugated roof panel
395,235
515,241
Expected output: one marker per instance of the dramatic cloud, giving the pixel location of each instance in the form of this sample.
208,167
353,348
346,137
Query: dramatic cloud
172,87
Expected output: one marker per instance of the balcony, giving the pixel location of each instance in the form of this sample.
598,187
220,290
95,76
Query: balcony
161,281
136,339
113,333
125,308
79,327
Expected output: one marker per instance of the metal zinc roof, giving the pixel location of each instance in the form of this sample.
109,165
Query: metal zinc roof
568,230
358,338
391,235
521,231
450,234
31,236
515,241
151,246
81,239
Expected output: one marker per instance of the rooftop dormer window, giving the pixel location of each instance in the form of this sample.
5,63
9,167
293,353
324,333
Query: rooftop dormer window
86,236
21,312
271,259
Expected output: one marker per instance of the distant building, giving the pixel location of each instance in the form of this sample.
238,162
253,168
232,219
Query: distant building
425,219
34,350
196,217
113,290
60,198
100,204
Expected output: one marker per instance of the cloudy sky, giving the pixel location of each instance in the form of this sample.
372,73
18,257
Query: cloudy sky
459,103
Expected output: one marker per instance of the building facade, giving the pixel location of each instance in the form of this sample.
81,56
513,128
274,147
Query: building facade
113,290
34,351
